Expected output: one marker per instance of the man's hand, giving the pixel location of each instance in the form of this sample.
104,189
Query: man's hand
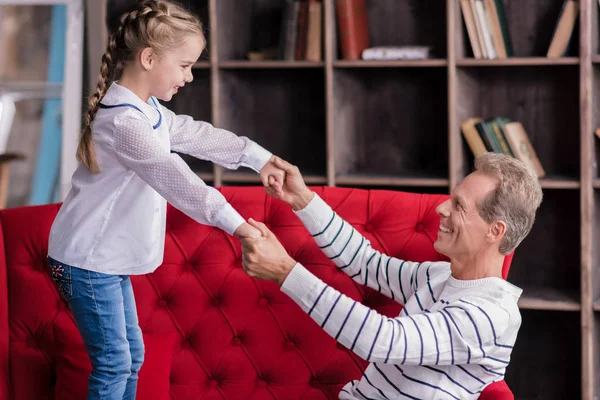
265,258
272,177
294,191
246,230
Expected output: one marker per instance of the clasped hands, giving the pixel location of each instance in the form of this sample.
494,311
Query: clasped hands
263,256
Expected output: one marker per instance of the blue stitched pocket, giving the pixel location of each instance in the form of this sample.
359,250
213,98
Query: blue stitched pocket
61,276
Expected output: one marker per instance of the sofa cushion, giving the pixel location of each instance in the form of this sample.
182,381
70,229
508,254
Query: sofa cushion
73,364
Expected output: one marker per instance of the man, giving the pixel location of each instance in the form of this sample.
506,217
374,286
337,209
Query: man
460,320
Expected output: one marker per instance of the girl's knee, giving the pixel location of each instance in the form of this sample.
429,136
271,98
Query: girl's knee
122,362
137,351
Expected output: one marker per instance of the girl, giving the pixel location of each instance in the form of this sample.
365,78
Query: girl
112,223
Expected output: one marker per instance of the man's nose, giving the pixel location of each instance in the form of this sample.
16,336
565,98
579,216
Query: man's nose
442,209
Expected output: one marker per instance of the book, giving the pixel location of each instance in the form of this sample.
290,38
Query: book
486,31
397,53
563,29
301,30
472,137
488,136
287,44
494,20
496,125
521,146
498,8
314,35
353,27
469,20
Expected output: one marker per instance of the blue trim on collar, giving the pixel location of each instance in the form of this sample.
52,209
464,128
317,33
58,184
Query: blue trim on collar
159,113
136,108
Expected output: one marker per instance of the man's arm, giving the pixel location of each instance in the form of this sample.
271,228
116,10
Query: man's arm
352,253
464,332
349,250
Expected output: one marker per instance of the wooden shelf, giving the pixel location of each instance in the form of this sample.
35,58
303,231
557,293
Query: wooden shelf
518,61
242,177
596,59
559,183
541,298
241,64
205,176
201,65
358,180
390,64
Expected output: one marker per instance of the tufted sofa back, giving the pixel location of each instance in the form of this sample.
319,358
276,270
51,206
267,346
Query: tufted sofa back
235,337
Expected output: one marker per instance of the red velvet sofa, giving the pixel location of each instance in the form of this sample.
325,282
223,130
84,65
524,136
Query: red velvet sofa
210,331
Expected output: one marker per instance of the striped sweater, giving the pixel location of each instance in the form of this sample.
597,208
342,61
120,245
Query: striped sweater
452,338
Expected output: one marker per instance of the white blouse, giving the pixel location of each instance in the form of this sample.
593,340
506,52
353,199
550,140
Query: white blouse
114,222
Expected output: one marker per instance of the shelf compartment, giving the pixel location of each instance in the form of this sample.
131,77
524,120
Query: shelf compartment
249,25
531,26
282,110
542,365
391,122
549,256
401,23
544,100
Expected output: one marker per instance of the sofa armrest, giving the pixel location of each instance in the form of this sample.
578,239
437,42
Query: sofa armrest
497,391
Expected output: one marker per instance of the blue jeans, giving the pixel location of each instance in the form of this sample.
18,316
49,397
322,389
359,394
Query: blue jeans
104,310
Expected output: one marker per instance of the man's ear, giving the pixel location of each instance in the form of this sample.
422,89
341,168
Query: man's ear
147,57
496,231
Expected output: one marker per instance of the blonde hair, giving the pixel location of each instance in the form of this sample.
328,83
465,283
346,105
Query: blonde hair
514,201
158,24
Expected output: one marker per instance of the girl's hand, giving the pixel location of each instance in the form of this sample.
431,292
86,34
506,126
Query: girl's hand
273,177
246,230
294,191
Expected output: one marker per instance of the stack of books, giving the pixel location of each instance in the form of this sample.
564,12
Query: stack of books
501,135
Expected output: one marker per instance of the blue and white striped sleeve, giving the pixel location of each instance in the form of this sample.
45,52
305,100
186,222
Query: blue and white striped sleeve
468,331
353,254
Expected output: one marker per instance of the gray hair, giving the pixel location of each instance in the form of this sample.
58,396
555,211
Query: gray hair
514,201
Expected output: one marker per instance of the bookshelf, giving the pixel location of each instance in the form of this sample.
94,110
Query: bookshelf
396,125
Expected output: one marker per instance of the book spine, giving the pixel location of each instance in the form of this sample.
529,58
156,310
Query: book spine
504,27
302,30
353,27
314,35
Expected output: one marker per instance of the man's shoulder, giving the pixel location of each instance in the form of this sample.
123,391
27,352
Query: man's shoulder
436,270
495,304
